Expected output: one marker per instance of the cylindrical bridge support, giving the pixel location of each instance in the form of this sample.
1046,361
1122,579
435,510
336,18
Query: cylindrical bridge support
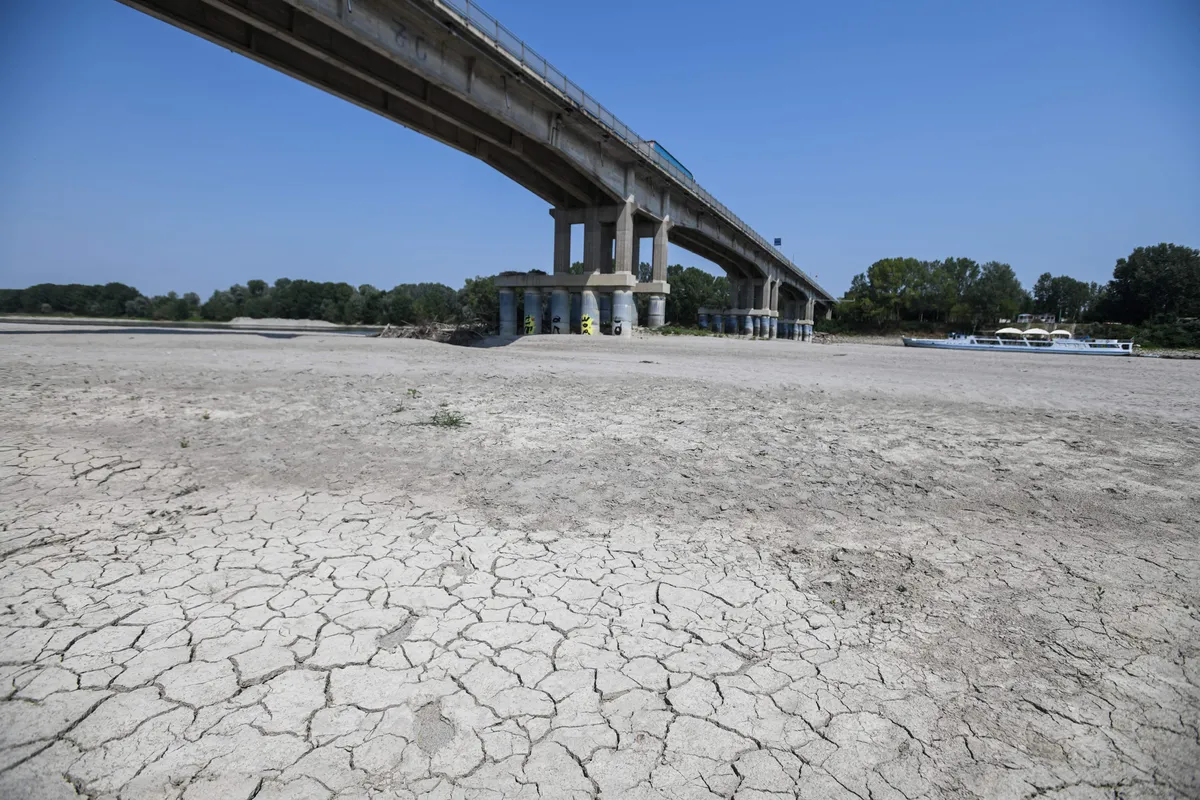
703,319
560,310
589,313
774,327
576,311
624,314
533,312
508,312
658,311
747,325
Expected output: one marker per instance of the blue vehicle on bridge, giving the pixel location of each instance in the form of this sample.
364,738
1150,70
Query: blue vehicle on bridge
662,151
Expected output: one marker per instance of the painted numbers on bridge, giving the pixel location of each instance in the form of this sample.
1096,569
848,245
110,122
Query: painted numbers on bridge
417,44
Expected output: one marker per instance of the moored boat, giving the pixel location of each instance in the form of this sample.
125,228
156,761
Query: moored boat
1026,343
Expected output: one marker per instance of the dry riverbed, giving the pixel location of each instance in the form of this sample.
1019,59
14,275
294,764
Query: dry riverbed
237,565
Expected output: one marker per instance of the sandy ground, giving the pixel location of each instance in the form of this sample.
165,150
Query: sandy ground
671,568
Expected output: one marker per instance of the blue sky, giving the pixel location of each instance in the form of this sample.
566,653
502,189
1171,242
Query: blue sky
1055,135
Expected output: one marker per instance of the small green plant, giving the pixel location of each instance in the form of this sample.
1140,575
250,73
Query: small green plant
184,443
414,394
204,416
445,418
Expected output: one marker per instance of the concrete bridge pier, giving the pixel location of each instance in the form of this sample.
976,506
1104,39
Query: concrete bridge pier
624,313
703,319
576,311
774,327
589,313
533,312
658,311
605,304
508,312
560,310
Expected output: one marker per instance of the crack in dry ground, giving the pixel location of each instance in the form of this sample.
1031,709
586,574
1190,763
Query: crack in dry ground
636,593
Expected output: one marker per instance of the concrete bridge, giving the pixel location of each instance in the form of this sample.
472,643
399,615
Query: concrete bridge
446,69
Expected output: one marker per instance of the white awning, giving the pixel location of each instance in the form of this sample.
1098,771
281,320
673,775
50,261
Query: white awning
1036,332
1016,331
1060,332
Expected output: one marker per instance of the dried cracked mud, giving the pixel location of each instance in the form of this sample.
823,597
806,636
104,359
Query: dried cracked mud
659,569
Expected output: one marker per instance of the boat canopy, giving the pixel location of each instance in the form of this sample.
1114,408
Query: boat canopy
1036,332
1060,332
1016,331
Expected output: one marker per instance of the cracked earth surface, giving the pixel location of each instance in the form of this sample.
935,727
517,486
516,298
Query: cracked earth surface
672,569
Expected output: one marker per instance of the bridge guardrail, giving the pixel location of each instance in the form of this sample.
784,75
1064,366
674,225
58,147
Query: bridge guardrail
490,28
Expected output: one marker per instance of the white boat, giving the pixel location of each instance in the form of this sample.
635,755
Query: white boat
1029,342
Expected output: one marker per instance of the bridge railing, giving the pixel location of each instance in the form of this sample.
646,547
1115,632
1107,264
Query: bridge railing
490,28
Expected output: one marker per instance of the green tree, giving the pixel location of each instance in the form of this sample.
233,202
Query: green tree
691,289
1162,280
997,294
953,280
1063,296
479,302
434,302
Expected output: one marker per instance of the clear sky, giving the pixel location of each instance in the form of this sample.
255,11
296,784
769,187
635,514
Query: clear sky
1055,135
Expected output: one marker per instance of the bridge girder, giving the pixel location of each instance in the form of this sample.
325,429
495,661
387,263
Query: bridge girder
417,63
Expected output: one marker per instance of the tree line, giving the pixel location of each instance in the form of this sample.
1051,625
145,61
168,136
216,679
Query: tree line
1157,284
286,298
476,303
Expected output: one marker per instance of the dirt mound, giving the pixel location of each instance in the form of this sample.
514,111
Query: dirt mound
433,332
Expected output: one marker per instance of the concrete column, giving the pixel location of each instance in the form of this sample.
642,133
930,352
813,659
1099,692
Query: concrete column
636,260
533,312
702,315
508,312
756,297
755,326
560,310
625,239
576,311
562,242
774,327
608,235
809,310
731,324
593,241
658,262
589,313
747,325
624,313
658,311
605,305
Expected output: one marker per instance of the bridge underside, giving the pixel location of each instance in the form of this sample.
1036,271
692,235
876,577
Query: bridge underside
415,63
309,48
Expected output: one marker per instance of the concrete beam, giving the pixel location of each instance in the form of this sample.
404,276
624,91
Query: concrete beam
562,241
593,280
